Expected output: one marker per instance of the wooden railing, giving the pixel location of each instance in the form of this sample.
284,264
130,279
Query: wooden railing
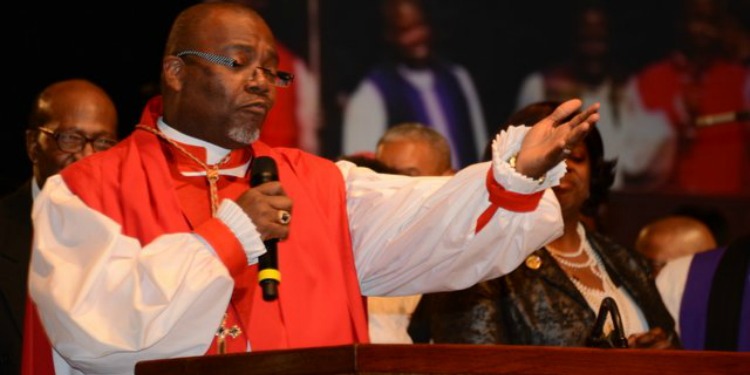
455,359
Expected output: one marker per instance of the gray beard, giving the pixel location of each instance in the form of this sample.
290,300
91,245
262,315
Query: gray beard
244,135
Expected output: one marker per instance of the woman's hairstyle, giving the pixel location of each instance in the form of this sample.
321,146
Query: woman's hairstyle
602,171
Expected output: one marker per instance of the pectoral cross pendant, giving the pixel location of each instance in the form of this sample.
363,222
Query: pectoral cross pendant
223,332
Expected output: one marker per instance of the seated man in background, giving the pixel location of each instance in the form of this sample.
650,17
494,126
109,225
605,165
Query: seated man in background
708,294
410,149
69,120
672,237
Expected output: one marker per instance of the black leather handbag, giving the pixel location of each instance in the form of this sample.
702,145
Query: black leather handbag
616,338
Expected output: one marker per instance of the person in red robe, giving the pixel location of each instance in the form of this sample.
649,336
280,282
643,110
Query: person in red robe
150,250
704,96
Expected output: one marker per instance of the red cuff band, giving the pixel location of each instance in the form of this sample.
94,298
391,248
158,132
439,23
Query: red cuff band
499,197
227,246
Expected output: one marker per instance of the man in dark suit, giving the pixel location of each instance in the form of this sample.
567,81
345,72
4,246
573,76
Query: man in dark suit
15,248
69,120
708,294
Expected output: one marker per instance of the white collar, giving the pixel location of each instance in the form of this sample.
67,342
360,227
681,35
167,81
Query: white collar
214,153
35,190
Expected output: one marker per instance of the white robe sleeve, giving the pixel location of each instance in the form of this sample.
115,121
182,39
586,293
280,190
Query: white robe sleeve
167,298
648,140
478,125
671,282
531,90
416,235
306,111
365,119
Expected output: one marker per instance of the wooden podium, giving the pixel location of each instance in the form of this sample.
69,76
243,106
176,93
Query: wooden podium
455,359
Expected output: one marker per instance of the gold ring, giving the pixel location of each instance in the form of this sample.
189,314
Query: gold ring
284,217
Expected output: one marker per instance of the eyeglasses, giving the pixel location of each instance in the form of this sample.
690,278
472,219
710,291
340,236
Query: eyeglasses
277,78
72,141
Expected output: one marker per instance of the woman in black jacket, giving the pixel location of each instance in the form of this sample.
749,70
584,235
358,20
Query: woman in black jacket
554,296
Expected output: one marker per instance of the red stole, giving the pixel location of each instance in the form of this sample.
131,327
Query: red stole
319,303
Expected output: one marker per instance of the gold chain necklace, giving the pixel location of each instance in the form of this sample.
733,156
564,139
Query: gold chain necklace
212,171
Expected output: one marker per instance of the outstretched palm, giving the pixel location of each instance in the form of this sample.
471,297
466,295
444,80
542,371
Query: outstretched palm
546,143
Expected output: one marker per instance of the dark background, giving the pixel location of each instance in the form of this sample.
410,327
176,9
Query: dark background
118,45
499,42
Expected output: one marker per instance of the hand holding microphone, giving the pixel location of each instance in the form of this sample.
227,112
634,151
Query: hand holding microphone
270,210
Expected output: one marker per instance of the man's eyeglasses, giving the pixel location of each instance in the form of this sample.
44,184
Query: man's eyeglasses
72,141
277,78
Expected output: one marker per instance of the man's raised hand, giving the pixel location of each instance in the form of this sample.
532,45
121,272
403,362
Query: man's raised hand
551,139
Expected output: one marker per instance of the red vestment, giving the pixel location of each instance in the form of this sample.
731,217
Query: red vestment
710,160
319,302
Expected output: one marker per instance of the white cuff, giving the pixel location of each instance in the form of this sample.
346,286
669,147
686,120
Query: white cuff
507,144
243,228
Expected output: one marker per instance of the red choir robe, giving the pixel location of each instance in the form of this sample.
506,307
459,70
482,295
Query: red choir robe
713,160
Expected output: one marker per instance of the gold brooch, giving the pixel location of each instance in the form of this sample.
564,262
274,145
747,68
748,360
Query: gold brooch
533,262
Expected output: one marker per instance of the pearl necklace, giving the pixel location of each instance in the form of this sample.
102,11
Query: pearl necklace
563,257
593,296
566,254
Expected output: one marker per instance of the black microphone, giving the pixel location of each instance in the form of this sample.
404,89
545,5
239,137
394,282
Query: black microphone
264,170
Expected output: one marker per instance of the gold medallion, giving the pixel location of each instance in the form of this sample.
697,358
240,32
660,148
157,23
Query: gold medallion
533,262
